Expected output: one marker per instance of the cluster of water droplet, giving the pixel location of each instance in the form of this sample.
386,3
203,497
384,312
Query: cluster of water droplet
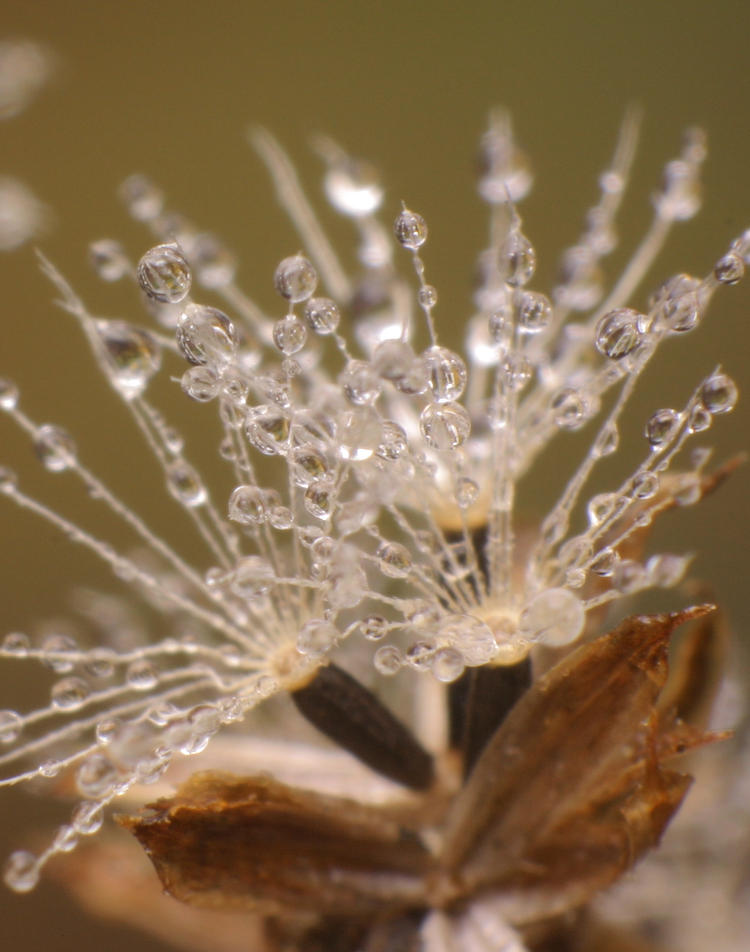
374,469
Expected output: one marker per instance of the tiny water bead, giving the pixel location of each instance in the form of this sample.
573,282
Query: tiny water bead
11,725
295,279
444,426
164,274
410,229
8,394
662,426
554,617
55,448
289,335
322,315
446,374
730,269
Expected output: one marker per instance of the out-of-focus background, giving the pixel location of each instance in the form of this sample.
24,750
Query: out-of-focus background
170,89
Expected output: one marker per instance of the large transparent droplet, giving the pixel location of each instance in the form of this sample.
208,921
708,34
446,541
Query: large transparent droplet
554,617
322,315
360,383
444,426
205,335
247,506
267,428
295,279
352,187
718,394
410,229
11,724
164,274
534,311
517,259
96,776
70,694
55,448
132,356
394,560
21,871
447,665
201,383
316,637
446,373
185,484
620,332
661,427
289,335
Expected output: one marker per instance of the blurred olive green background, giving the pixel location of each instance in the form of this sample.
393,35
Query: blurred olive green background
169,89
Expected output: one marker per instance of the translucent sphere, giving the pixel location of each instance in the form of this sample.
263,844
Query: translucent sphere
554,617
164,274
410,229
295,279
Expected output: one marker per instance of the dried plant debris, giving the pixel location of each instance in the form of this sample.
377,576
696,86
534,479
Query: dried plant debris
571,790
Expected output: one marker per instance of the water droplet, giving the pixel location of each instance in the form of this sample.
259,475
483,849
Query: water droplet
427,296
289,335
517,259
677,304
360,383
11,724
267,428
108,259
96,776
600,507
569,408
142,198
718,394
730,269
59,651
108,729
388,660
393,443
554,617
359,433
374,627
447,665
66,839
49,768
516,370
699,420
17,644
141,675
205,335
316,637
410,229
444,426
307,466
70,694
352,187
87,818
322,315
466,492
645,485
164,274
55,448
319,498
132,356
620,332
21,871
185,484
534,311
629,577
446,373
247,505
394,560
662,427
295,279
8,394
606,441
201,383
604,562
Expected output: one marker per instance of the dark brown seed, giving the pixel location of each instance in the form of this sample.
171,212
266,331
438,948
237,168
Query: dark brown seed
349,714
479,702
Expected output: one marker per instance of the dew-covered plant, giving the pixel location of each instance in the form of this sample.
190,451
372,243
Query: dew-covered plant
372,515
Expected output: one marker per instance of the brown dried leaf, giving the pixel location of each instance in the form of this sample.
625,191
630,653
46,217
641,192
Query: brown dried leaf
224,842
571,790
